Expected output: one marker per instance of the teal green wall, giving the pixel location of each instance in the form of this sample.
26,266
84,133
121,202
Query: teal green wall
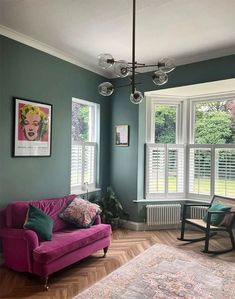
31,74
127,164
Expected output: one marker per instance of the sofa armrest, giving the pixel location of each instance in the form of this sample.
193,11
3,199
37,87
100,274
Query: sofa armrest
17,233
18,246
97,220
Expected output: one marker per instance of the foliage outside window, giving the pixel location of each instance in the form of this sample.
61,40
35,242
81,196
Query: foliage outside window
214,122
165,123
80,122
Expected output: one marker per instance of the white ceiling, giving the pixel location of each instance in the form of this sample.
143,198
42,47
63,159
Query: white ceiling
79,30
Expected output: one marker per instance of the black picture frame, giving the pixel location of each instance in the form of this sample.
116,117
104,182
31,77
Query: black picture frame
122,135
32,128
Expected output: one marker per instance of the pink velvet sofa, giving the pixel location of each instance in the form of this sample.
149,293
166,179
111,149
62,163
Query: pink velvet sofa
22,250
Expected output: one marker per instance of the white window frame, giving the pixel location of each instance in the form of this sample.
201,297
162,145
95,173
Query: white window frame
150,117
185,135
92,143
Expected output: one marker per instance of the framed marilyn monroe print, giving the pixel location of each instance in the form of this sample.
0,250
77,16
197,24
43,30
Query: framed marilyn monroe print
32,129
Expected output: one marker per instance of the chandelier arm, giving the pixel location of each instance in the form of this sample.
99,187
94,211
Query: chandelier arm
137,64
133,51
149,65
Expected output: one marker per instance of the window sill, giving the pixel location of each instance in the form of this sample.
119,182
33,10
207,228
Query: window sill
160,200
79,191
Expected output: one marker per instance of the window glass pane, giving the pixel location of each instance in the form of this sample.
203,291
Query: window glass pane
214,122
80,122
165,123
225,172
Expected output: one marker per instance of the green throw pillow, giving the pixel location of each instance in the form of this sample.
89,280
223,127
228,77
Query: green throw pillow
216,219
39,222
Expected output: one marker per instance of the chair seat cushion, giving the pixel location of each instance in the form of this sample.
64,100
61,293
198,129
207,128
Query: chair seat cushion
69,240
201,223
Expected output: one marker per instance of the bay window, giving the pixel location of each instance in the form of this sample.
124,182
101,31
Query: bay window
190,150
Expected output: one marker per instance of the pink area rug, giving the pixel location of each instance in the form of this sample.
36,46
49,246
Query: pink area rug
167,272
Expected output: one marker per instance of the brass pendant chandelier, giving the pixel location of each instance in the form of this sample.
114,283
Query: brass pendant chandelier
124,69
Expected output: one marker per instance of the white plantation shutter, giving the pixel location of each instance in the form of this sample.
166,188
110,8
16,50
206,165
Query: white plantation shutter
225,171
76,164
90,163
200,169
164,170
176,169
83,164
155,176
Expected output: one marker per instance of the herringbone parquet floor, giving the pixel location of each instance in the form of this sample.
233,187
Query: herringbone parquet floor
74,279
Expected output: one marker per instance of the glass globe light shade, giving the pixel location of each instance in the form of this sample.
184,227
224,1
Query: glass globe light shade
166,65
136,97
121,68
105,60
106,89
159,78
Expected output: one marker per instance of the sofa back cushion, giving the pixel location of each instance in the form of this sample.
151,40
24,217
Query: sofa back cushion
16,211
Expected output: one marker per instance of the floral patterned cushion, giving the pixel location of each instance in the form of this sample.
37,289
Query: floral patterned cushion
80,212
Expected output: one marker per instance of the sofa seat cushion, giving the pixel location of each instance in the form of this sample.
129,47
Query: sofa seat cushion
69,240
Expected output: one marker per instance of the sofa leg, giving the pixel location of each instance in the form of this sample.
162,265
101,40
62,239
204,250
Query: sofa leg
45,281
105,251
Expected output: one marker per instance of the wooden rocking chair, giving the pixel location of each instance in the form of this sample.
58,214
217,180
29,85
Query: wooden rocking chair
210,230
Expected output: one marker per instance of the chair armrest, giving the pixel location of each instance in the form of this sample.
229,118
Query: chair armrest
97,220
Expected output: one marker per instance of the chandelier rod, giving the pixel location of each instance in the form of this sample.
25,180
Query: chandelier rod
133,51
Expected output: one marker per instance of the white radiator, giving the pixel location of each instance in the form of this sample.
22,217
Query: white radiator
163,214
197,212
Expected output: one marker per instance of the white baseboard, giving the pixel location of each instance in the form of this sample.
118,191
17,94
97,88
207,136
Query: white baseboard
141,226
